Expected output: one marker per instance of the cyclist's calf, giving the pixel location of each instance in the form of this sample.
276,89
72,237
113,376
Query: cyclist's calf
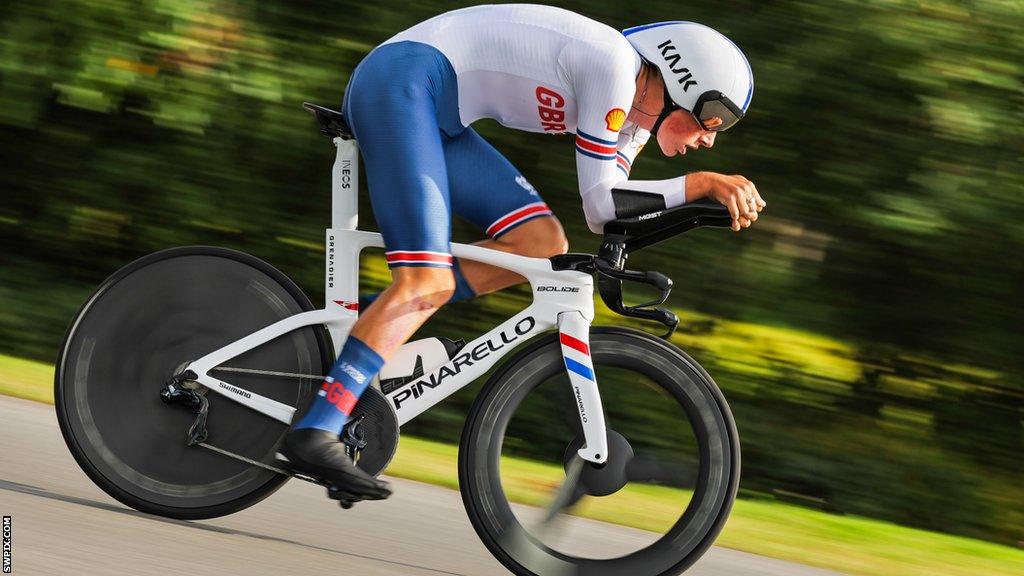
399,311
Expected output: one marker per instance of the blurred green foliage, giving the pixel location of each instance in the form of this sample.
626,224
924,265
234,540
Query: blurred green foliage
866,330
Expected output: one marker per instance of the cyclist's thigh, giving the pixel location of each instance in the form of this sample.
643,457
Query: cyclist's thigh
391,106
486,188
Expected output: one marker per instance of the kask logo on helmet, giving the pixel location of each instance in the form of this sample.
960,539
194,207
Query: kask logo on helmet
673,59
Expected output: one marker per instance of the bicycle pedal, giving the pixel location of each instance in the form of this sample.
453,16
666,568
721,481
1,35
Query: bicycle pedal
345,499
335,493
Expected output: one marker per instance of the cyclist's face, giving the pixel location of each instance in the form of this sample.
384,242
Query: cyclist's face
680,131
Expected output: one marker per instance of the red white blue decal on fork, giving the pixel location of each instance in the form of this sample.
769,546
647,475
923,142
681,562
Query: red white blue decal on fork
574,337
584,368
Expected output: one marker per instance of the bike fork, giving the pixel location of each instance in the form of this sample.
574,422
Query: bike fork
574,336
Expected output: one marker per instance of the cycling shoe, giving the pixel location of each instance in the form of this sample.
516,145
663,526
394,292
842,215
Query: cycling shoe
321,454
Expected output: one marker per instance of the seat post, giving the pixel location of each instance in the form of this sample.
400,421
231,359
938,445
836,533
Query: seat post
345,186
341,287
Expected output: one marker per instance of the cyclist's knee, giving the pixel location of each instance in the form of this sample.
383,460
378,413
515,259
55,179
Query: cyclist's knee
539,238
427,287
558,243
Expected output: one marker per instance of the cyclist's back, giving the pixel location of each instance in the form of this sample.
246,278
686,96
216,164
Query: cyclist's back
502,54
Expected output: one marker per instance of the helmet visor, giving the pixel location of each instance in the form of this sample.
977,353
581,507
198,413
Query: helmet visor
713,104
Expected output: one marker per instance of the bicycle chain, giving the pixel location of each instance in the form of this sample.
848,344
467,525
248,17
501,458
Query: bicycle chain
261,464
245,459
267,372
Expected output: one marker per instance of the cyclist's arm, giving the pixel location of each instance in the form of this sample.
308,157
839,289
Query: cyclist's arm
607,86
608,194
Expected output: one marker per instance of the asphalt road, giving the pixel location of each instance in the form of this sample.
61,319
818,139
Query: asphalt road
62,524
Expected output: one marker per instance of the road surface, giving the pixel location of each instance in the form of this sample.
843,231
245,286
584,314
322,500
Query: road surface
62,524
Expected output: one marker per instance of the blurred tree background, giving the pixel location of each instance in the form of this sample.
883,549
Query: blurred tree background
866,330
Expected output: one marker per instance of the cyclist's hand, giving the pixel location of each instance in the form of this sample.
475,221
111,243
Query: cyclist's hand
737,194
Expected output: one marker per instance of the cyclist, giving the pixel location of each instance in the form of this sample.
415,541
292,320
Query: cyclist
410,103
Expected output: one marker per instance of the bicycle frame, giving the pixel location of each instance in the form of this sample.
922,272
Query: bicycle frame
562,299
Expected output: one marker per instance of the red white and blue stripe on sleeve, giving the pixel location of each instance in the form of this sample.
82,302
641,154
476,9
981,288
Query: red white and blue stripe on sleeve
629,148
595,147
623,163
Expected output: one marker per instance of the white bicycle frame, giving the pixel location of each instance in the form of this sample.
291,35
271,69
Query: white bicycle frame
562,298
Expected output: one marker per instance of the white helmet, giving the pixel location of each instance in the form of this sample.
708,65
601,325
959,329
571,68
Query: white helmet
703,71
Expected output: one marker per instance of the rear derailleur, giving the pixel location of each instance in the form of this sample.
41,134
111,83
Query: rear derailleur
177,391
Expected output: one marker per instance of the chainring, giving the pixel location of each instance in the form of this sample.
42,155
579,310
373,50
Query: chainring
379,429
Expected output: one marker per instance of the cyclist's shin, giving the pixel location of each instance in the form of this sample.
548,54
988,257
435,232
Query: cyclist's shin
347,380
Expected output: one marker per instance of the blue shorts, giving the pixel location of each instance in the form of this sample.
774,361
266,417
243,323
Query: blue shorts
422,164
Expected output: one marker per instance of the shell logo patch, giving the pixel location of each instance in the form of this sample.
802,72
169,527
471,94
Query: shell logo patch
614,119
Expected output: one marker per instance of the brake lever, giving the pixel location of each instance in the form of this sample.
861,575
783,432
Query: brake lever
662,283
670,320
661,315
656,279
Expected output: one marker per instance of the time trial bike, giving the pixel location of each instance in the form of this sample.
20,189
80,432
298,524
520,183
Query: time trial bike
180,374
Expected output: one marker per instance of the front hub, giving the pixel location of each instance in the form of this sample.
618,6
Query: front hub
608,478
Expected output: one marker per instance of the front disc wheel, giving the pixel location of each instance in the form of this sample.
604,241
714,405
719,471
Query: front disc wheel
671,473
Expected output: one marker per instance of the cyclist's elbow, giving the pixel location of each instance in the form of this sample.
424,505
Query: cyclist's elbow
598,208
595,227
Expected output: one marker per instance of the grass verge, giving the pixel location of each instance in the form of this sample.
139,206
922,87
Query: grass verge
853,545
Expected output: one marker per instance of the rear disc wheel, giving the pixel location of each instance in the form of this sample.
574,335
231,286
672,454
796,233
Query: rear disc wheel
143,325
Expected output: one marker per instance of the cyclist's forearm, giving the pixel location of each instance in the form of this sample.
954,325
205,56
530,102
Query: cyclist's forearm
698,185
612,199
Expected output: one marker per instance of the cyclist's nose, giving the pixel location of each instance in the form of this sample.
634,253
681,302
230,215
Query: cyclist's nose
708,139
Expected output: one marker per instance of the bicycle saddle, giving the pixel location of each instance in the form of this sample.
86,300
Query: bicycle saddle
332,123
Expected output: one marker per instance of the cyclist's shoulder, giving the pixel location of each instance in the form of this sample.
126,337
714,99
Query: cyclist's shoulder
533,18
585,30
604,50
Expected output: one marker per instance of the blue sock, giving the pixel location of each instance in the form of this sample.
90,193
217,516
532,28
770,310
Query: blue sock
463,291
345,382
